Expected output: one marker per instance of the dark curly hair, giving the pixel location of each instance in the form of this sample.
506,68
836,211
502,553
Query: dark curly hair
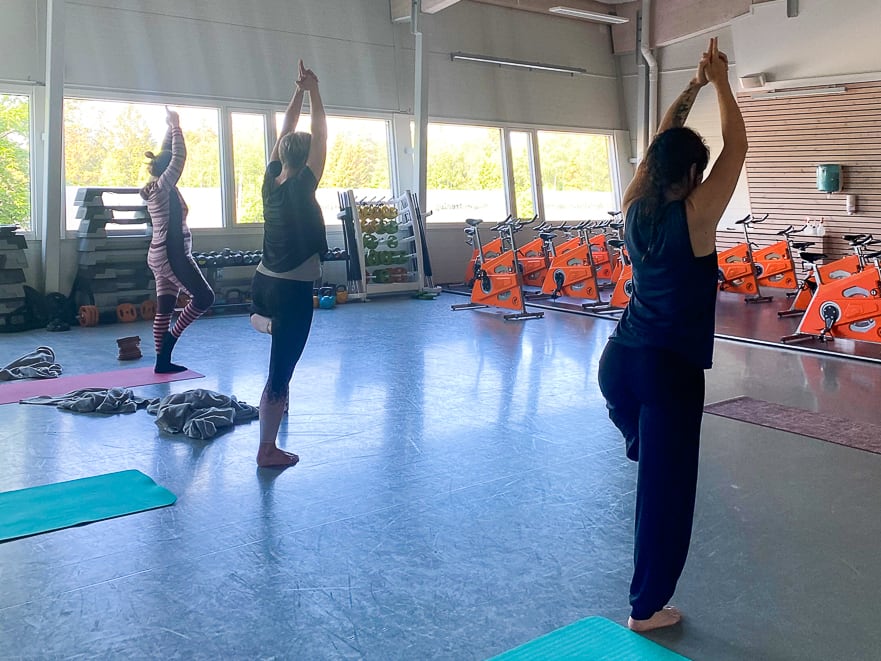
668,162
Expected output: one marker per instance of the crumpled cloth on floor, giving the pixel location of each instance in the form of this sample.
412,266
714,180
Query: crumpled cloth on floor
200,414
38,364
94,400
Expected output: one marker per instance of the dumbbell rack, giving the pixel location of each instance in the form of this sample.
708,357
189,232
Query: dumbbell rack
112,263
13,261
390,251
223,286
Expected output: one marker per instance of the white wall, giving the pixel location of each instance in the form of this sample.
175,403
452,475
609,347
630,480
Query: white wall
827,38
23,55
477,91
225,49
245,51
678,63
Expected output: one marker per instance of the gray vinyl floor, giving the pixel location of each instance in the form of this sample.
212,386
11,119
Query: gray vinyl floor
460,491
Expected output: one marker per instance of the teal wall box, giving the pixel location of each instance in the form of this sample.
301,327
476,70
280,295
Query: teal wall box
829,178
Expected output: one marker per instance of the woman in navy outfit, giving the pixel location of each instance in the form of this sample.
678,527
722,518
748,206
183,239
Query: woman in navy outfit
652,370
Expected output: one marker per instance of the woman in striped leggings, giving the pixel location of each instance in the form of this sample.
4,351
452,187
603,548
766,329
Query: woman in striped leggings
170,256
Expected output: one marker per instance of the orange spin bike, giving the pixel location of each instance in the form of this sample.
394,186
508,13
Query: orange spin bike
843,308
499,280
737,267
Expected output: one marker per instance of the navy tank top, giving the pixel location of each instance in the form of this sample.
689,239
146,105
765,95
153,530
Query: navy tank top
673,305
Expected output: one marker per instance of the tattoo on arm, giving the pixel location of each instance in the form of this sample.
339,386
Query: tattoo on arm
678,112
683,107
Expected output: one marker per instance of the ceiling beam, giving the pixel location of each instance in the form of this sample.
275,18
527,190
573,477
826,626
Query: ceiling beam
401,8
542,6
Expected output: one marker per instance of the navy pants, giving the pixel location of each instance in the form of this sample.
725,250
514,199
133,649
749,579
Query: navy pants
289,304
656,398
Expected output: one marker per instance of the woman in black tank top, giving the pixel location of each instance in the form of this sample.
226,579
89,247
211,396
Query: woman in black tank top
294,238
652,370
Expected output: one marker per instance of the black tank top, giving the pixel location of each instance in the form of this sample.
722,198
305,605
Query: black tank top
293,227
673,305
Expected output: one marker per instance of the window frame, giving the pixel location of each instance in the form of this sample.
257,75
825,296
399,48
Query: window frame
225,108
227,152
533,130
391,143
116,96
34,232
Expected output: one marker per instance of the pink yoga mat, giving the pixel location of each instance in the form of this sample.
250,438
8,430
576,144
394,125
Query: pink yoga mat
15,391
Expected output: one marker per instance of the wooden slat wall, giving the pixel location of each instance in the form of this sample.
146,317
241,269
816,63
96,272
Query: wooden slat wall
789,137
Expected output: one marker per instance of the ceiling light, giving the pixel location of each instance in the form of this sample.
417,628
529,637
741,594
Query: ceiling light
588,15
520,64
786,94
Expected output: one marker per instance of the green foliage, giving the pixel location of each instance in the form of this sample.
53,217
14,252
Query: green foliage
103,151
15,196
473,164
574,161
569,161
249,157
203,157
356,161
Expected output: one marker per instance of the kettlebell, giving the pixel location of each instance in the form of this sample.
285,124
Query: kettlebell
327,302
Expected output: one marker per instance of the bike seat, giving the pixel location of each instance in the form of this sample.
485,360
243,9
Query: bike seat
801,245
615,243
547,236
812,256
616,226
474,222
853,237
742,220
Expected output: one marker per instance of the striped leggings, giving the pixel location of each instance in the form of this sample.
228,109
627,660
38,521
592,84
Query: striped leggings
173,274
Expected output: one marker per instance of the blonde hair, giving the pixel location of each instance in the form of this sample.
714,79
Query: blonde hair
294,149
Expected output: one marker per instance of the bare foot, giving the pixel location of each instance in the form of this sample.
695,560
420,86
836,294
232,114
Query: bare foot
261,324
666,617
271,456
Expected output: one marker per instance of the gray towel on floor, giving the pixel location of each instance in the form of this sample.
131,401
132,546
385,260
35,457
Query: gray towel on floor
38,364
94,400
199,413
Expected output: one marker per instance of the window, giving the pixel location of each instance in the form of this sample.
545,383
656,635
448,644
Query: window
576,179
465,177
104,145
249,163
15,164
522,166
357,158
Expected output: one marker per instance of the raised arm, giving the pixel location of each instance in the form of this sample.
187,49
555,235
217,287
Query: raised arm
178,147
675,117
318,144
678,112
291,117
708,201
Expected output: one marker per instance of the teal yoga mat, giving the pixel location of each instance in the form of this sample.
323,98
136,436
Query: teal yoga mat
591,639
55,506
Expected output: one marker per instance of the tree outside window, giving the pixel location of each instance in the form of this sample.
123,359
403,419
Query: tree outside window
105,142
576,179
464,174
15,184
357,159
